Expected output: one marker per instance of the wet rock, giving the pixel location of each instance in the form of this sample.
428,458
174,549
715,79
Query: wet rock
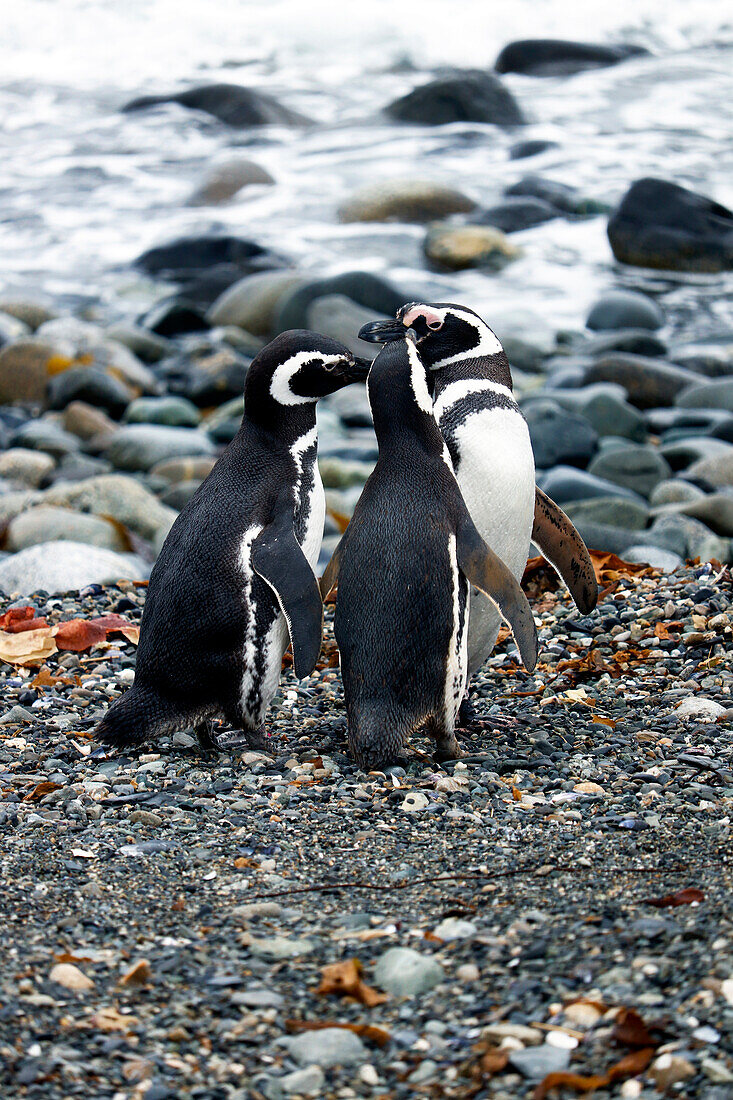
146,345
213,379
225,180
123,498
674,491
174,412
536,1062
456,247
526,337
186,257
232,104
337,316
87,345
521,150
689,538
45,435
78,467
699,708
655,556
637,341
604,406
616,512
251,303
516,213
405,200
309,1081
174,317
716,470
362,287
66,567
705,395
25,467
24,371
467,95
557,57
86,422
633,467
177,496
351,405
331,1046
32,314
559,436
91,385
648,382
406,973
565,484
604,536
560,195
175,470
662,225
684,453
620,309
48,524
141,446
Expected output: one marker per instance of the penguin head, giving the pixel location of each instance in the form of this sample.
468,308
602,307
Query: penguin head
445,332
298,367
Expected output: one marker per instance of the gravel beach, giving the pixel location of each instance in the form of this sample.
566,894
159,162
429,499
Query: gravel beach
558,900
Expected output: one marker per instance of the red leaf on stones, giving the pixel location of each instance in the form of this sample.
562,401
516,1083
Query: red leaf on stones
631,1031
21,618
630,1066
80,634
365,1031
682,897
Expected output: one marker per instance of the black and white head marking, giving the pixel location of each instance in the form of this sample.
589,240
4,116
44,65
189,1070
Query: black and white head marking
455,333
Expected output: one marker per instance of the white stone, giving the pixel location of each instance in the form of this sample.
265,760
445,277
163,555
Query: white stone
308,1081
699,708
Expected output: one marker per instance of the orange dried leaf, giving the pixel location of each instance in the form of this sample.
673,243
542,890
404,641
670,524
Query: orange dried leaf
682,897
610,722
344,980
667,630
493,1062
630,1030
18,619
630,1066
109,1019
366,1031
516,794
41,790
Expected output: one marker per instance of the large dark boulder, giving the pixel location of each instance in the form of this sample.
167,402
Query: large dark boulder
236,106
466,95
362,287
188,258
662,225
555,57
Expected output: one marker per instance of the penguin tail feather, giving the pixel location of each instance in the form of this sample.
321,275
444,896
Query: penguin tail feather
133,718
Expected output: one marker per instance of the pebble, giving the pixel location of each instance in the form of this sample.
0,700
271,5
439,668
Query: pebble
536,1062
309,1081
404,972
407,200
331,1046
456,247
670,1069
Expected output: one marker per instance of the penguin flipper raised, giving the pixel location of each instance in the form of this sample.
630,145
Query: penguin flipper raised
563,547
277,557
487,572
331,572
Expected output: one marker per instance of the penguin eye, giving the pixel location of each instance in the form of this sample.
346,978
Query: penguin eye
328,366
435,325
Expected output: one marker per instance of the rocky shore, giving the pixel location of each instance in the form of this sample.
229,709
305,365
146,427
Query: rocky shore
557,901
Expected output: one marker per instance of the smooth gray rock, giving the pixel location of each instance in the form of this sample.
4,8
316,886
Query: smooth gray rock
655,556
45,435
119,496
252,301
674,491
223,181
603,536
620,309
716,470
515,213
141,446
233,104
332,1046
65,567
26,467
707,395
174,412
337,316
565,483
309,1081
536,1062
526,337
559,436
715,510
688,537
614,512
682,453
24,371
89,344
363,287
45,524
146,345
13,503
404,200
466,95
648,382
406,973
634,467
604,406
92,385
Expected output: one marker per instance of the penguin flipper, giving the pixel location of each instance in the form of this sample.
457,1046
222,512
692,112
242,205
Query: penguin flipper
487,572
331,572
277,557
563,547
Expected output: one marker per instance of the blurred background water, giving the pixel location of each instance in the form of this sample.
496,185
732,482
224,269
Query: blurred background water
85,188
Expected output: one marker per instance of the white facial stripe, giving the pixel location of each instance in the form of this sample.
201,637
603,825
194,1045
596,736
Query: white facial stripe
418,380
457,391
488,343
283,375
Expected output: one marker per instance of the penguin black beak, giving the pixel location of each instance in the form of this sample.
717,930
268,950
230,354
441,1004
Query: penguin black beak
382,332
357,369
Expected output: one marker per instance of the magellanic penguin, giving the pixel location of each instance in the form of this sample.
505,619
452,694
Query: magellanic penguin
403,567
235,578
491,450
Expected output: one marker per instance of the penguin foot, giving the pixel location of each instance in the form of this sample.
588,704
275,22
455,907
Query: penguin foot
447,748
208,740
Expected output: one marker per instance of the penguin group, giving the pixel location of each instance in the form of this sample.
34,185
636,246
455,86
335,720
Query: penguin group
428,567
